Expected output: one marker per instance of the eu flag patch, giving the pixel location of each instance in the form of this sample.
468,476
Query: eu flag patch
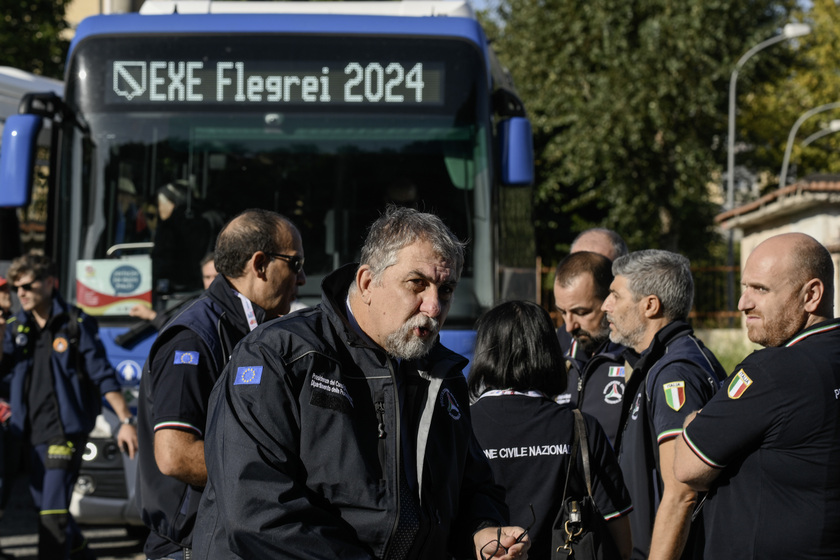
248,375
186,357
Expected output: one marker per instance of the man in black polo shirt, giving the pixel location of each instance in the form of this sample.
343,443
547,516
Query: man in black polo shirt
259,257
767,447
597,366
647,309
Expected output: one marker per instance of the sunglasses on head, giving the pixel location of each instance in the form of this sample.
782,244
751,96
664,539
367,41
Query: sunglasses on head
295,261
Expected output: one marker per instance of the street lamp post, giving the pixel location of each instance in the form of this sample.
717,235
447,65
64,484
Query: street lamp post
789,31
833,126
794,129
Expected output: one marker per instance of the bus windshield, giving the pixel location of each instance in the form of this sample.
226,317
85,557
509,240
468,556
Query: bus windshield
164,148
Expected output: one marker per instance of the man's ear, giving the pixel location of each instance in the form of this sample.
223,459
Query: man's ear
812,295
364,279
652,307
258,263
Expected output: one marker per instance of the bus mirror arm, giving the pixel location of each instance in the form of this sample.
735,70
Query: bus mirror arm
143,329
49,105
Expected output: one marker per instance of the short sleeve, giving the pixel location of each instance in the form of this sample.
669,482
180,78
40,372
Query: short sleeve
182,376
608,486
674,392
719,432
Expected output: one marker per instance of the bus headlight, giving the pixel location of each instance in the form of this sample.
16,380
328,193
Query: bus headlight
90,452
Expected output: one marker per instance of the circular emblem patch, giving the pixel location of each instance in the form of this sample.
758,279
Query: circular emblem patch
614,392
21,339
60,344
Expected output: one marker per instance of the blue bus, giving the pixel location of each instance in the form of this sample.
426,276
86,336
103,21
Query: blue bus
322,111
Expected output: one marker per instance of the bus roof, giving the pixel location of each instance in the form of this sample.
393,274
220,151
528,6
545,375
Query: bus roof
315,21
14,83
410,8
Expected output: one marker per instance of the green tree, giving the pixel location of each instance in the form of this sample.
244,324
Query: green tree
629,104
31,36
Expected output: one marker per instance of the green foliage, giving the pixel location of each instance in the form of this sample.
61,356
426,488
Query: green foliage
629,101
31,36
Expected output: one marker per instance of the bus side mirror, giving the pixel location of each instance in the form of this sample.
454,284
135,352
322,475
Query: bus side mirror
17,159
517,147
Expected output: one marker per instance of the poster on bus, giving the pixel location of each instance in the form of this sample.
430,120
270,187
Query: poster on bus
113,287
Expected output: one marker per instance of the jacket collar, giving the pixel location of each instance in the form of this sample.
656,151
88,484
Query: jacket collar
822,327
221,292
666,335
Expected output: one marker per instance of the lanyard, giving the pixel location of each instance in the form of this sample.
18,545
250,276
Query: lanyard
248,309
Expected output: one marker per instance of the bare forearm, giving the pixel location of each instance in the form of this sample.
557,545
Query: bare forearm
670,530
619,529
181,456
688,468
117,402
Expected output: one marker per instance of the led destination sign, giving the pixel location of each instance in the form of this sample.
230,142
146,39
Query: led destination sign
238,82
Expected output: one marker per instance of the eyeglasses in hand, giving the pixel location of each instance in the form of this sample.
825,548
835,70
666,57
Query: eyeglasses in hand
295,261
492,548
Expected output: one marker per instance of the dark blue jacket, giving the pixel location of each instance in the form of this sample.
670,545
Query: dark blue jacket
303,445
78,405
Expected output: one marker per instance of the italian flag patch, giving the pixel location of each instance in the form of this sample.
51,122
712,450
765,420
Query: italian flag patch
738,385
675,394
616,371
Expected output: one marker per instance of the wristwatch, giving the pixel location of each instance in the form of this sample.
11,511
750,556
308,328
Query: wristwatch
131,420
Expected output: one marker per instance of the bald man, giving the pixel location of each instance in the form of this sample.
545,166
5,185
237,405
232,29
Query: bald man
600,240
259,258
767,447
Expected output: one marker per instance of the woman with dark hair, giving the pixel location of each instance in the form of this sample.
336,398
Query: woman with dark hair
517,371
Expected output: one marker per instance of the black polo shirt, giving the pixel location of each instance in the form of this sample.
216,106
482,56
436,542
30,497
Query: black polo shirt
774,430
528,440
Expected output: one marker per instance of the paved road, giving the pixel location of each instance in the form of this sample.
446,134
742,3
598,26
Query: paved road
19,532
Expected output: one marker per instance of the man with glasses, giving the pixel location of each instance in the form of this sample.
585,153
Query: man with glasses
344,431
259,257
58,374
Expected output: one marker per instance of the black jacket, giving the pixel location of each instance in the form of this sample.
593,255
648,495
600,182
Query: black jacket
303,445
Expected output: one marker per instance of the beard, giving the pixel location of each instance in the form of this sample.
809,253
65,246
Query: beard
405,345
630,335
773,333
590,342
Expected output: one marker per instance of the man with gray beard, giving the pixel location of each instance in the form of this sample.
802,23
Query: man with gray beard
344,430
647,309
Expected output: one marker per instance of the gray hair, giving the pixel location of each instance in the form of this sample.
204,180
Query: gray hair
663,274
399,227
